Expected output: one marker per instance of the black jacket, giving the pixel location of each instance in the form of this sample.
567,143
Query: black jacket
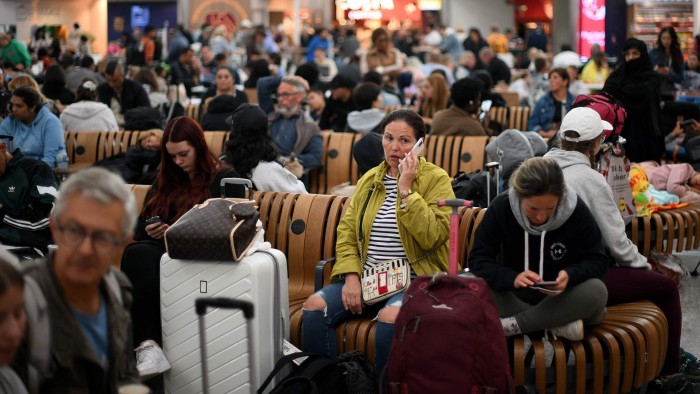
133,95
576,246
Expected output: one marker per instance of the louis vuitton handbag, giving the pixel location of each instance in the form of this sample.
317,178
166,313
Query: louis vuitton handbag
217,229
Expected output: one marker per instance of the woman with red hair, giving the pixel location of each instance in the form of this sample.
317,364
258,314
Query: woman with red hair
189,174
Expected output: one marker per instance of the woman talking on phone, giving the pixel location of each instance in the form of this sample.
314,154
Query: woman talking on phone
393,215
540,231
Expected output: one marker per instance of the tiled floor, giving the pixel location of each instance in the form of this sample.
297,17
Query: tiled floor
690,302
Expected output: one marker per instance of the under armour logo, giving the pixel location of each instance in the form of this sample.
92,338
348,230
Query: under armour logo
11,189
557,250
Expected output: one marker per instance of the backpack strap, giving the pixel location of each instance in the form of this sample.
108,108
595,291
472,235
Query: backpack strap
39,334
323,361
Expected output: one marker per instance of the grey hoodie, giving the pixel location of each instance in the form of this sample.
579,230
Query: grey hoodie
565,208
365,121
591,186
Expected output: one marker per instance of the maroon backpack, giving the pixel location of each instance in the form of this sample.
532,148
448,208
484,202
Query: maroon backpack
448,339
608,107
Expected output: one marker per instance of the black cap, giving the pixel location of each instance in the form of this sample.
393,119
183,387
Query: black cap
248,118
342,81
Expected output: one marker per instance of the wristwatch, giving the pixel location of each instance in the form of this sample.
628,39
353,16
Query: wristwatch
403,194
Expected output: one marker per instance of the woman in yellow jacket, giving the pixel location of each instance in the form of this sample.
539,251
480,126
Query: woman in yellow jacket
391,216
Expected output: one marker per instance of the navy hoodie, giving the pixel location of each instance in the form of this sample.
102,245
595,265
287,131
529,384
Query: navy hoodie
570,241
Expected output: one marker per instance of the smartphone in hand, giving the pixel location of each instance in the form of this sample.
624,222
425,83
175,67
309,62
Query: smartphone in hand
154,219
417,149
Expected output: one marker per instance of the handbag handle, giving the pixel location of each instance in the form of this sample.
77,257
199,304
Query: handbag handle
236,181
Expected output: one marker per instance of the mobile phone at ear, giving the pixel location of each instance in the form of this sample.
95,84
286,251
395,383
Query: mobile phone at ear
417,149
686,123
154,219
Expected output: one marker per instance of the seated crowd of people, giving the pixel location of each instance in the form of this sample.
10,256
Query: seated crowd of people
570,224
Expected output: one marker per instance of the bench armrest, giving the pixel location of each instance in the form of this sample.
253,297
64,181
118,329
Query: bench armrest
320,267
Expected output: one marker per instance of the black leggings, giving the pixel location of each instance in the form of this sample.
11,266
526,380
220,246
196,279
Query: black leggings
141,264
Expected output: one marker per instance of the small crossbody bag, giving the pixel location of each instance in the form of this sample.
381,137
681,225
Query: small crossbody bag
383,279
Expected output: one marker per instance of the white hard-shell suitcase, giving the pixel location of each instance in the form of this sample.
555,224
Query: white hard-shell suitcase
260,278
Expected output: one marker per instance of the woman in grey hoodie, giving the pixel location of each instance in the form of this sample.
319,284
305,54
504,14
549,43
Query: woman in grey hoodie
541,231
629,278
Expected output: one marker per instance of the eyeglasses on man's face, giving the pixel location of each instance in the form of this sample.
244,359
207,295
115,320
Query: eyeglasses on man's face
74,235
286,95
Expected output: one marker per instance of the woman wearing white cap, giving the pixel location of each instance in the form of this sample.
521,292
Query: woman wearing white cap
629,277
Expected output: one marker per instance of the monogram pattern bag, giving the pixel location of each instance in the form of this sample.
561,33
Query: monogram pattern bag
217,229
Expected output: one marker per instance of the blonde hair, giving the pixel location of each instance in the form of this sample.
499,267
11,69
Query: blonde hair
439,96
26,80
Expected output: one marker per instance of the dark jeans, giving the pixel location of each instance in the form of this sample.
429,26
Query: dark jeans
635,284
318,328
141,264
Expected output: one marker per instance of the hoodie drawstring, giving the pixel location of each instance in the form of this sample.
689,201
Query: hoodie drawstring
527,252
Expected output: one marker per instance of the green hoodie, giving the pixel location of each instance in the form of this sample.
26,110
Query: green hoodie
422,225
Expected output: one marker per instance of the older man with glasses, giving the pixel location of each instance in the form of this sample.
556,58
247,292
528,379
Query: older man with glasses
87,302
291,128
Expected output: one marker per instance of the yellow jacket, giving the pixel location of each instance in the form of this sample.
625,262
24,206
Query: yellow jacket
422,225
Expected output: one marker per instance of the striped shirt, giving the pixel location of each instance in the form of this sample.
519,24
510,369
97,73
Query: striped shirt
384,239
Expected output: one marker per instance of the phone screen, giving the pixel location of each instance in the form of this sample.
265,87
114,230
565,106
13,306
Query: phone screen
486,105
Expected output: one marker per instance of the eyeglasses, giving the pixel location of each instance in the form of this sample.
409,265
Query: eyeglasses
285,95
101,241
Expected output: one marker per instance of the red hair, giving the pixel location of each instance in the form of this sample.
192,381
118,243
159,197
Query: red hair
176,193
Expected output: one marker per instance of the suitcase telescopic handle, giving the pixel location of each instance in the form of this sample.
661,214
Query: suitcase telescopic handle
247,183
201,305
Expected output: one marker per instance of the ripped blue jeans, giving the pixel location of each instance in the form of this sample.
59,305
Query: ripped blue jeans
318,327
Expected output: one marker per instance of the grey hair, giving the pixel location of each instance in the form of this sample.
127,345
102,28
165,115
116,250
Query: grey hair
103,186
300,85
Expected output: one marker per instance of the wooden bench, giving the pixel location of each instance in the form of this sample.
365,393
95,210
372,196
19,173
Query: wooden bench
337,163
452,153
626,350
518,118
86,148
456,153
622,353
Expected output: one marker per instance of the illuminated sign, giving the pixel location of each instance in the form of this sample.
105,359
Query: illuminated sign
592,18
365,5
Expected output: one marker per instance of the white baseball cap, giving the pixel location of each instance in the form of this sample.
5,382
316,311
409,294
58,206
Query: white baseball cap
586,122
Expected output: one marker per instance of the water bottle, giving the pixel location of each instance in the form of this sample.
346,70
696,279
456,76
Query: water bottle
61,165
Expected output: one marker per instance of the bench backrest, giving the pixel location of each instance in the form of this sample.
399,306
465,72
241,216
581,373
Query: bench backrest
518,118
455,153
89,147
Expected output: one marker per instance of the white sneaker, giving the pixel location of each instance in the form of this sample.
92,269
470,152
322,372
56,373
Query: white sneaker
572,331
150,360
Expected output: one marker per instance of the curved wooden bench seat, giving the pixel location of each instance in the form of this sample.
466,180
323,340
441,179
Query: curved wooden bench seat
621,354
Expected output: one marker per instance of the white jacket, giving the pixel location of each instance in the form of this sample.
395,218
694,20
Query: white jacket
271,176
88,116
